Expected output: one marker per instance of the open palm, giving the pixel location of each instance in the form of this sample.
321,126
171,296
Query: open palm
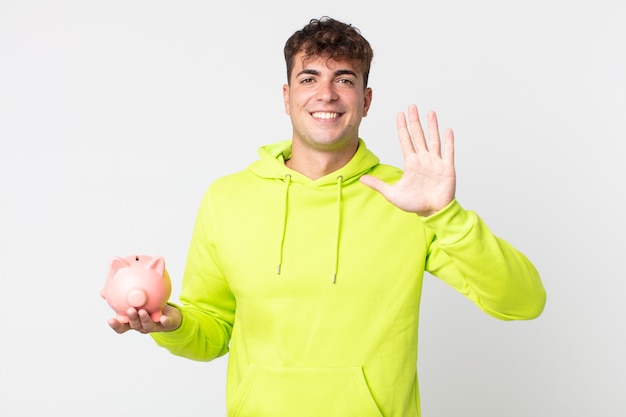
428,182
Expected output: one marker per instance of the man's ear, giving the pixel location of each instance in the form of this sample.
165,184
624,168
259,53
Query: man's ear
286,98
367,102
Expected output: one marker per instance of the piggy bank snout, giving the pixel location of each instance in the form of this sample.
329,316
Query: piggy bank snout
137,297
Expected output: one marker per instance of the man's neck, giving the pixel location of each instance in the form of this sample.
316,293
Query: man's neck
315,164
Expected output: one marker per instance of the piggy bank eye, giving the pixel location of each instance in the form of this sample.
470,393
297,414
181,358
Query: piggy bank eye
137,258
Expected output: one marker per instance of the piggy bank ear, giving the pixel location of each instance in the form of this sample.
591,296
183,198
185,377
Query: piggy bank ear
157,264
118,263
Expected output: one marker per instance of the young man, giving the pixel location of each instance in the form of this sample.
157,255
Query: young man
307,267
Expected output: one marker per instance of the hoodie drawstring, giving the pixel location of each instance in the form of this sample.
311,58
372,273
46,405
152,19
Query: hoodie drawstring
339,185
282,237
338,230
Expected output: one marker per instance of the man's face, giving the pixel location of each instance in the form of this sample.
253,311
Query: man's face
326,101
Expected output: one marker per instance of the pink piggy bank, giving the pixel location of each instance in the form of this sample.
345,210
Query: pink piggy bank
137,281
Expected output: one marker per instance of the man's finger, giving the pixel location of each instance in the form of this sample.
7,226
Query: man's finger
448,153
406,143
118,326
434,141
416,129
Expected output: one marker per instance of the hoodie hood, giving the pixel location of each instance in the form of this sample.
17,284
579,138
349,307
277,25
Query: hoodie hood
271,165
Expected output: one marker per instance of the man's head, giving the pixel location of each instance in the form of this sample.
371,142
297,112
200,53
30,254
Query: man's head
330,39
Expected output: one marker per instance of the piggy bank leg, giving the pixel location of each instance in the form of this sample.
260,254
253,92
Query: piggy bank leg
122,318
156,316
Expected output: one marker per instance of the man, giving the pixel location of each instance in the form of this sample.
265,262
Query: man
307,267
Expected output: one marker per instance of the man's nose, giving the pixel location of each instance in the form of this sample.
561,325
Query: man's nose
327,92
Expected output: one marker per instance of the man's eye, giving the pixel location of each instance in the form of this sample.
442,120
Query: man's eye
345,81
306,80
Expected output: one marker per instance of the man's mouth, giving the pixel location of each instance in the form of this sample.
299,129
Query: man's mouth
324,115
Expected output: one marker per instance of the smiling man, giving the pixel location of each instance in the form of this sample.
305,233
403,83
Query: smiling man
307,267
326,99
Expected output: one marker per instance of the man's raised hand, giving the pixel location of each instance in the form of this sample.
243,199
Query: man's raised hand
428,183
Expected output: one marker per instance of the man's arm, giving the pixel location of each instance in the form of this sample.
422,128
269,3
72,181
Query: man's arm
464,253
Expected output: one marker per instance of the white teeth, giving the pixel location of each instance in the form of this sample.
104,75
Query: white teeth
325,115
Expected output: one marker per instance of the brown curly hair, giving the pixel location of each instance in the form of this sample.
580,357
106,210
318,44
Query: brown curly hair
332,39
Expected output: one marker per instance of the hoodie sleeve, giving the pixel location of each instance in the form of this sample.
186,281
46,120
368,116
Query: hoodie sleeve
207,303
486,269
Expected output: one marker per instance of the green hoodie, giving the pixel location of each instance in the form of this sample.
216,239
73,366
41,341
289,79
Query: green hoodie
313,286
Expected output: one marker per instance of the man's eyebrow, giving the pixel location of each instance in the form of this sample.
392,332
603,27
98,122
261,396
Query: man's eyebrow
346,72
336,73
309,72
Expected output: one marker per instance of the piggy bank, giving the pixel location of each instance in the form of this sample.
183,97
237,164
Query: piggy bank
137,281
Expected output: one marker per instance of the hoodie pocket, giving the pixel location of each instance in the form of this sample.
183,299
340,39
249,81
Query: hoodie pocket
304,392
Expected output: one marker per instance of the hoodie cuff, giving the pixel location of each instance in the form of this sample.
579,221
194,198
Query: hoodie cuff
174,337
450,224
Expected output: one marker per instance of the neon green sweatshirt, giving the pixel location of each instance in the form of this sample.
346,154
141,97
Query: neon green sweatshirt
313,287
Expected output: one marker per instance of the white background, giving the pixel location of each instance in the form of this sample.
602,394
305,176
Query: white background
116,115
